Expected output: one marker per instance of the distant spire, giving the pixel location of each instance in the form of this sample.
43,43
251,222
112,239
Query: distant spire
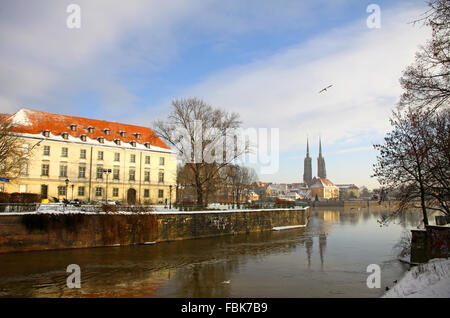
320,148
307,147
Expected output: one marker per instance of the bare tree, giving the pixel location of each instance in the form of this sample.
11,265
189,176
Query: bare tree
239,179
426,83
203,138
13,156
415,160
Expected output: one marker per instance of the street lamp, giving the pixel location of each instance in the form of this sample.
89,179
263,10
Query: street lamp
170,196
73,186
107,172
67,185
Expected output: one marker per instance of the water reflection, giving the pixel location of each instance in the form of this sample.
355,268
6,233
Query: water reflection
328,258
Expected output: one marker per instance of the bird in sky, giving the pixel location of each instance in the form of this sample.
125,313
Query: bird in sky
324,89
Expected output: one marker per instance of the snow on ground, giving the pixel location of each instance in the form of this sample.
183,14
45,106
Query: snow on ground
429,280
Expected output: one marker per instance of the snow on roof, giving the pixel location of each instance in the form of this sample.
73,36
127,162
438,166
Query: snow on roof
29,121
321,182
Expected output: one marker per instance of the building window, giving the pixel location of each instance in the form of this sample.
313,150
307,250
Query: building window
2,187
147,160
46,133
98,192
61,190
101,140
107,132
100,155
23,188
83,137
160,193
147,144
73,127
46,150
90,129
24,169
116,174
117,141
65,135
133,143
82,153
122,134
132,174
115,192
45,169
44,191
161,177
64,152
147,176
132,158
117,156
161,161
99,172
63,171
81,172
81,191
146,193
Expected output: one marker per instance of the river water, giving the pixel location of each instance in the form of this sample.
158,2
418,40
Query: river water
328,258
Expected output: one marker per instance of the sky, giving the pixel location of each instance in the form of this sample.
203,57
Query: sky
265,59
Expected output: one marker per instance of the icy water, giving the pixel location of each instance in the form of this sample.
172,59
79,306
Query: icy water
328,258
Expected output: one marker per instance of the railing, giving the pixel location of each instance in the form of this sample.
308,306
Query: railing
60,207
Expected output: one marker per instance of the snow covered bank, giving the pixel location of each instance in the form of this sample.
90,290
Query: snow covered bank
430,280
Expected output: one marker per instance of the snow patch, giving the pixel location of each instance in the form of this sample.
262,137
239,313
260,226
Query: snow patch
21,118
429,280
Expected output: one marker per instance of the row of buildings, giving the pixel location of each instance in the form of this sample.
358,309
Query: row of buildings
87,159
312,188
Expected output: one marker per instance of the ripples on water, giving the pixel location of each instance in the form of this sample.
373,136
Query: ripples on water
328,258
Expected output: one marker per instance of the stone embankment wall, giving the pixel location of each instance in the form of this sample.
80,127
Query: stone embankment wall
31,232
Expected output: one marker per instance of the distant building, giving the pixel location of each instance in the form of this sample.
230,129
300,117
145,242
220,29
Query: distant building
324,189
348,191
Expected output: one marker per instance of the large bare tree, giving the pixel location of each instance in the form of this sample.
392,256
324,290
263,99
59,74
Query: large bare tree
204,139
13,156
415,157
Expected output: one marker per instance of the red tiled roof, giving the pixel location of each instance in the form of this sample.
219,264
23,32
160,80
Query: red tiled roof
4,116
324,182
35,122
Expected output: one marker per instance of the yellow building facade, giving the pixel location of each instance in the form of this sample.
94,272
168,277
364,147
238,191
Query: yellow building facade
324,189
93,160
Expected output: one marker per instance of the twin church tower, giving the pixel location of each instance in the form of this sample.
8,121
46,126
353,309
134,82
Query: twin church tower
307,170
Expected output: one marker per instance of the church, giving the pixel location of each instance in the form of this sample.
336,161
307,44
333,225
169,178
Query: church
321,187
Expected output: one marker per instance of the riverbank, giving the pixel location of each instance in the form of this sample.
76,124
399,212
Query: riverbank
20,232
430,280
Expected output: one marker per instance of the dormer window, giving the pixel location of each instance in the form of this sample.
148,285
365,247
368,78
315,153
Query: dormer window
107,131
147,145
117,141
101,140
83,137
65,135
90,129
122,134
133,143
73,127
46,133
137,135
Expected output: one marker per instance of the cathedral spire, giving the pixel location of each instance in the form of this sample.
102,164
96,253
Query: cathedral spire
320,148
307,147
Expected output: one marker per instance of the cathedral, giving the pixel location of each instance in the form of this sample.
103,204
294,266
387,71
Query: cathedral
307,168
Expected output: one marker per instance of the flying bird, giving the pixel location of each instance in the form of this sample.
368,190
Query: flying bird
324,89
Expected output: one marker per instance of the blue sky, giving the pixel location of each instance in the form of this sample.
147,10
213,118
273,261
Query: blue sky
264,59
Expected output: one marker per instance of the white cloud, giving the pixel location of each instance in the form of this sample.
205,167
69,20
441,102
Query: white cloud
363,65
